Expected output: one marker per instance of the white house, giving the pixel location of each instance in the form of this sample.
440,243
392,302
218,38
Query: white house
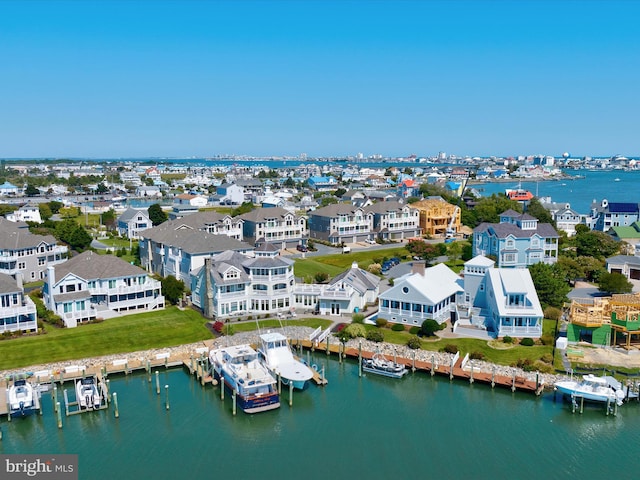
17,310
26,213
349,292
133,221
90,286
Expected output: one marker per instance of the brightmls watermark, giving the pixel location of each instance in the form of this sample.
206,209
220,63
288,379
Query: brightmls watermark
51,467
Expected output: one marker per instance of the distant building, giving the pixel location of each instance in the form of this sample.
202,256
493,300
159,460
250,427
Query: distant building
8,189
132,222
26,213
17,310
322,184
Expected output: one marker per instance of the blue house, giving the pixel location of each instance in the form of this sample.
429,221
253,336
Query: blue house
9,189
613,214
519,240
323,183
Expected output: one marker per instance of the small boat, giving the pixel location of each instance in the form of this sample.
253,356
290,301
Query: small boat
616,179
21,398
242,371
592,388
278,358
378,364
87,393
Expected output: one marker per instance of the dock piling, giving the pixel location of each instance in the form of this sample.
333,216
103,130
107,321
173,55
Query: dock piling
116,412
66,402
166,389
493,377
55,397
360,359
59,414
279,383
157,383
413,365
233,396
221,386
451,369
513,382
322,375
471,377
291,392
433,365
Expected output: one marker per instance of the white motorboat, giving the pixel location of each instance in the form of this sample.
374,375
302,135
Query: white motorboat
379,365
21,398
592,388
278,358
87,393
242,371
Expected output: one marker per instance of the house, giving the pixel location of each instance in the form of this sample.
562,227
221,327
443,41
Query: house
566,220
500,301
27,253
437,216
197,201
322,184
424,293
394,221
341,223
17,310
613,214
349,292
231,283
132,222
182,210
153,191
8,189
408,188
229,194
627,265
519,240
252,188
26,213
630,234
274,225
91,286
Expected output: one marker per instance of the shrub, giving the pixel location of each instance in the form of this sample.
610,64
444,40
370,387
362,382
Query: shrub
527,342
547,339
414,330
381,322
507,339
429,327
414,342
552,313
397,327
357,318
218,326
525,364
321,277
476,356
355,330
450,348
375,336
390,282
543,367
547,358
375,268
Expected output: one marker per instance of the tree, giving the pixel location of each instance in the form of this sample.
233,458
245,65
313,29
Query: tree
422,249
156,214
595,244
172,289
109,218
45,211
550,284
535,209
55,206
31,191
73,234
614,282
339,192
246,207
429,327
321,277
102,188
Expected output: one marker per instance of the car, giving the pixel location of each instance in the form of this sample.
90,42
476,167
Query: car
417,257
302,248
370,242
395,260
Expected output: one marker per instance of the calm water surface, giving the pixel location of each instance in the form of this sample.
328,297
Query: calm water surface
369,427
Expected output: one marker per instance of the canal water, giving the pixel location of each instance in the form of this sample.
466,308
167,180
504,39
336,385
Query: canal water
370,427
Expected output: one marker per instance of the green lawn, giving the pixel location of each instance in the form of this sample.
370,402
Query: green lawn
274,323
158,329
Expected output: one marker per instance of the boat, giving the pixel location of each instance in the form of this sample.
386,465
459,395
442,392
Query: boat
379,365
21,398
242,371
279,359
616,179
87,393
595,389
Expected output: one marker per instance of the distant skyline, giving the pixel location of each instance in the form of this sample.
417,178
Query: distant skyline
201,78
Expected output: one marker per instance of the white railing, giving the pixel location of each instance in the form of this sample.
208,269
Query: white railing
520,331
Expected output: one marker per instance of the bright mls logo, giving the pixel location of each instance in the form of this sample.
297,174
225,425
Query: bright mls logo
52,467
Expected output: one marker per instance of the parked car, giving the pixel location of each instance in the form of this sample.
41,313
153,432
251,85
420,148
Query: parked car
394,260
302,248
370,242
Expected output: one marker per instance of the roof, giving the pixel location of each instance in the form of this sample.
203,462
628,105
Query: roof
194,221
623,207
503,230
384,207
507,281
335,209
437,284
262,214
357,278
632,231
624,259
480,261
91,266
13,237
130,213
8,284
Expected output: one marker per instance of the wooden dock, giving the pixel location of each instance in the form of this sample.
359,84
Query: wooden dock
515,382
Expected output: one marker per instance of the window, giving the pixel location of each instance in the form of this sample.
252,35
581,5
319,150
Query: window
260,287
112,284
405,289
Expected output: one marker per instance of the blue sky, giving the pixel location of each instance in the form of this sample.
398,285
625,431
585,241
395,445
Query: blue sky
201,78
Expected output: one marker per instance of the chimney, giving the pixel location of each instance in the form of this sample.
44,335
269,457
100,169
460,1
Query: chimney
19,280
418,267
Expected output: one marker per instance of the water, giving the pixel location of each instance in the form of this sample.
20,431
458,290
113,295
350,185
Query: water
370,427
581,192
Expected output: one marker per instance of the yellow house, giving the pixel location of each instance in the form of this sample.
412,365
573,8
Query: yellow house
437,216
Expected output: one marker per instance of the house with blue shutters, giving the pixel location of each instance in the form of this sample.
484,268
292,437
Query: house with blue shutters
519,240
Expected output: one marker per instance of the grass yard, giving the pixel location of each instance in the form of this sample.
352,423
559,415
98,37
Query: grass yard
143,331
274,323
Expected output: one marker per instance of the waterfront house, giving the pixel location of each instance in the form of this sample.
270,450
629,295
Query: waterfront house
26,213
17,310
27,253
519,240
613,214
347,293
274,225
394,221
424,293
132,222
91,286
436,216
231,283
341,222
153,191
566,220
500,301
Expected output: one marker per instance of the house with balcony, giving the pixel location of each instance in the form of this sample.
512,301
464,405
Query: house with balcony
422,294
497,302
24,252
132,222
436,216
232,284
519,240
17,310
323,184
274,225
229,194
349,292
613,214
393,221
91,286
341,223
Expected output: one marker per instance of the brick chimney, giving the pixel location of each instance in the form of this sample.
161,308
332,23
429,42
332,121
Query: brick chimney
418,267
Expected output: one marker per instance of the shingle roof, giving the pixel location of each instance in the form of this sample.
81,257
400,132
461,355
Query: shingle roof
130,213
358,278
334,210
384,207
91,266
8,284
13,237
262,214
503,230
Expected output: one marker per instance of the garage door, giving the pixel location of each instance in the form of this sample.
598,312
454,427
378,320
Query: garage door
634,274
